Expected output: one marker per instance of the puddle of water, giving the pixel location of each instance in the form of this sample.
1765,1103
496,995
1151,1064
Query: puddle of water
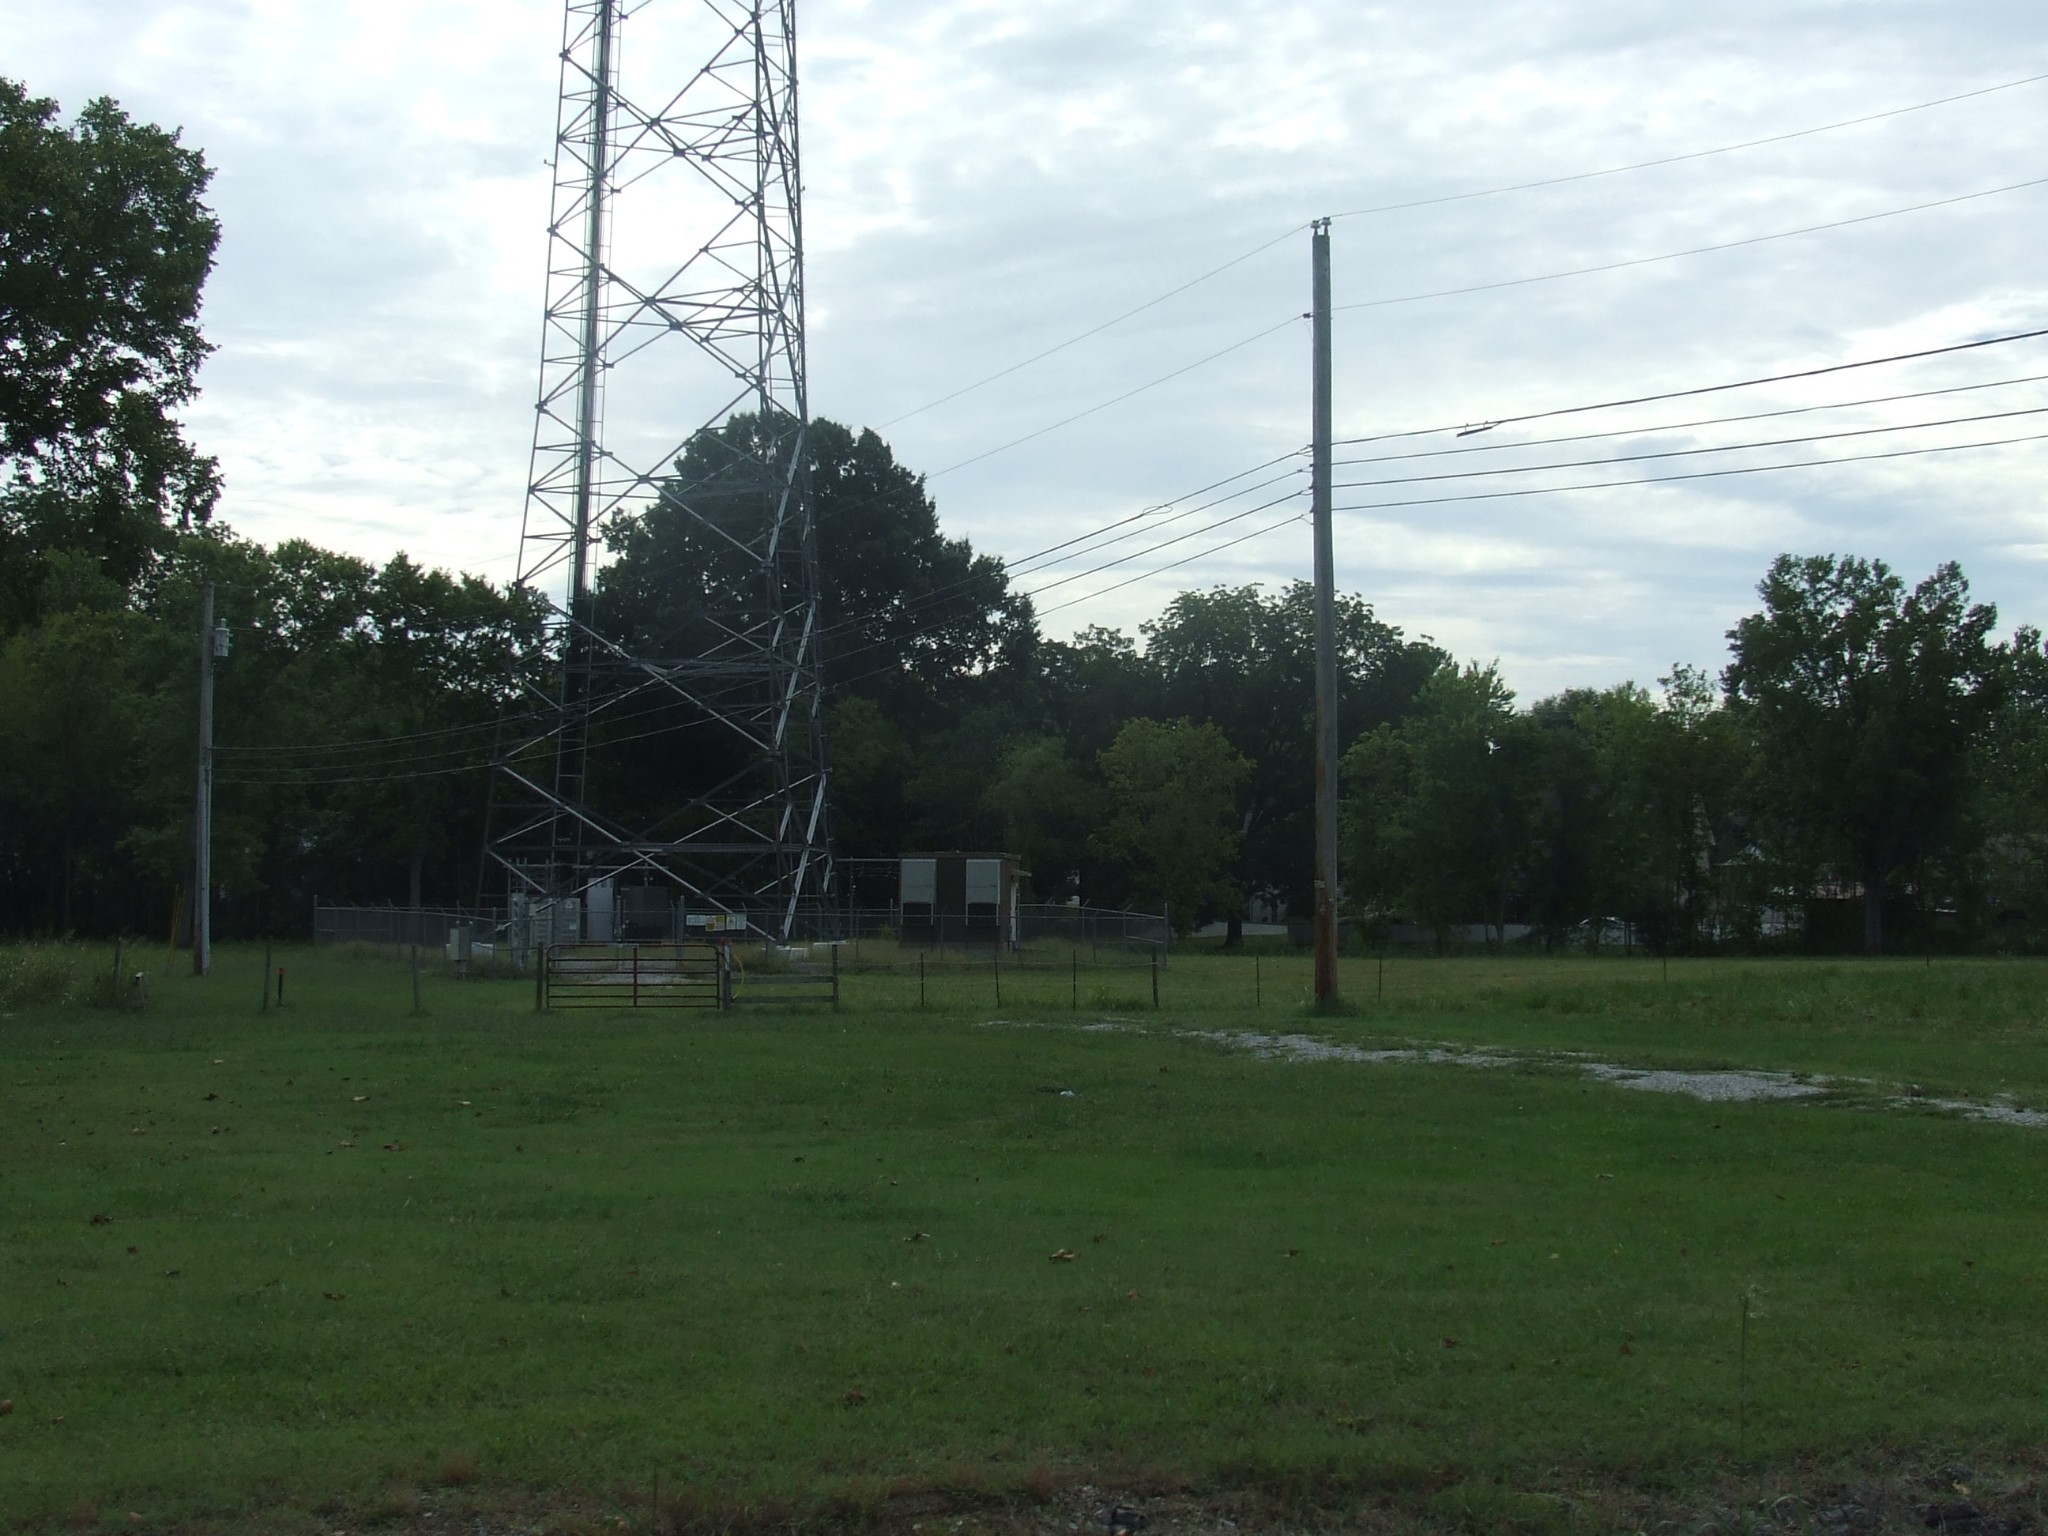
1309,1048
1715,1087
1725,1087
1998,1114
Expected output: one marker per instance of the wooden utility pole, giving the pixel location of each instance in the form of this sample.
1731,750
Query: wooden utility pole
1326,622
202,810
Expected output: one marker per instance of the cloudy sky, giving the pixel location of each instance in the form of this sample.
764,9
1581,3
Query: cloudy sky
987,179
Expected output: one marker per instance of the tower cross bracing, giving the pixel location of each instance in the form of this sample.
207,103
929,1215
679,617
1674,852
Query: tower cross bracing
672,375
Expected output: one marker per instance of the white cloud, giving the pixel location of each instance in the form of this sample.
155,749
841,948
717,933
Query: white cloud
987,179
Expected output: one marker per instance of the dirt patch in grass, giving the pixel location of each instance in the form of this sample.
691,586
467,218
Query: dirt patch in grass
1881,1497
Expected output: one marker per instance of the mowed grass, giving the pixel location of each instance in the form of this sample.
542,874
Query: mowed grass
798,1258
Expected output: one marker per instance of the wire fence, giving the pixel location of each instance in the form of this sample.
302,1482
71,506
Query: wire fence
512,936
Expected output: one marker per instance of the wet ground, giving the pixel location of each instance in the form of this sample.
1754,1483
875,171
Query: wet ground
1732,1085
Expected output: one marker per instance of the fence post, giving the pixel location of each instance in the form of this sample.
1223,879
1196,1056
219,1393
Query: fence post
835,978
636,975
1074,980
724,978
540,978
1155,978
920,978
996,959
1258,992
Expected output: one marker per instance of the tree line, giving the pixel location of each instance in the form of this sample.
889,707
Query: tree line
1870,768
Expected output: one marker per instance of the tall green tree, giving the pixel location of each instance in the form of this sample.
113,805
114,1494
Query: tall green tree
1050,812
1244,660
1867,701
105,244
1441,808
1172,832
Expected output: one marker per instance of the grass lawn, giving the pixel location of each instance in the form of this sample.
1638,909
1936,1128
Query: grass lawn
796,1261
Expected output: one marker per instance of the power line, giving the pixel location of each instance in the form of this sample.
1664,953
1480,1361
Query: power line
1292,517
1180,538
1697,154
1067,421
1682,453
1697,250
894,641
1704,421
1707,389
1095,330
1452,197
406,774
1703,474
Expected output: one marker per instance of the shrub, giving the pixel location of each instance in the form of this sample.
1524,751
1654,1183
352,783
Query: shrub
36,974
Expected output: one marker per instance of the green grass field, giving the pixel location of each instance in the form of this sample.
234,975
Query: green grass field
256,1269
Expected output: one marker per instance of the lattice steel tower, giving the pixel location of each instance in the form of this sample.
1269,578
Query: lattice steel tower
675,309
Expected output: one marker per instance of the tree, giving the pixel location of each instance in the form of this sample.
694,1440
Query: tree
1245,661
68,761
1049,812
910,619
105,245
2009,806
903,607
1172,830
1866,702
1440,808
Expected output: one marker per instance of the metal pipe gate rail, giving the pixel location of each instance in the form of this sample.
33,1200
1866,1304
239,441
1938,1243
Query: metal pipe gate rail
689,975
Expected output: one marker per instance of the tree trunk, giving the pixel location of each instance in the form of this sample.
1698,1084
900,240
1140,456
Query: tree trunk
1873,914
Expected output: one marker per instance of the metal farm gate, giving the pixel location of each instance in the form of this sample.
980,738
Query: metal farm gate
688,975
634,976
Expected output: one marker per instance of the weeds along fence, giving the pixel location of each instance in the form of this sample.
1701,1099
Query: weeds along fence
395,927
1102,931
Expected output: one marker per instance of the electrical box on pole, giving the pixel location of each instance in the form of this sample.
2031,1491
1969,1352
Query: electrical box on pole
1326,621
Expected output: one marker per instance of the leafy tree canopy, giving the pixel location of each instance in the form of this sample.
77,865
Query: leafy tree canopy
105,244
1866,701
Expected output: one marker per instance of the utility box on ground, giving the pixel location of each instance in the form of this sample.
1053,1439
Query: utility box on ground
958,898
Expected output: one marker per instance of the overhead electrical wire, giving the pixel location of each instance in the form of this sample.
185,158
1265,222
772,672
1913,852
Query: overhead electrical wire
1681,453
1071,548
1453,197
1103,405
1702,474
395,775
1697,250
1079,545
1683,426
323,775
1256,533
1503,283
1697,154
1703,389
1094,330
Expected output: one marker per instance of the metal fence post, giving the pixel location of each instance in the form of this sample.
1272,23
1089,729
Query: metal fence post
540,978
1074,980
1155,978
636,975
835,978
920,978
996,959
1258,993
